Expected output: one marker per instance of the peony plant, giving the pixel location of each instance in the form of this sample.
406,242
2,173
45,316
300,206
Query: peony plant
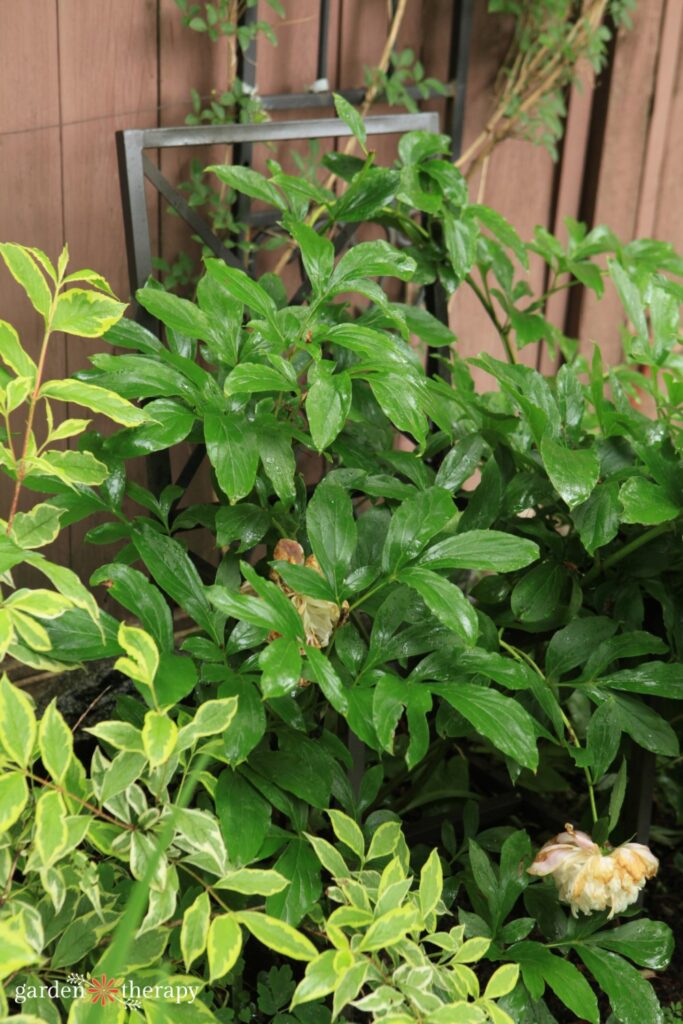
398,674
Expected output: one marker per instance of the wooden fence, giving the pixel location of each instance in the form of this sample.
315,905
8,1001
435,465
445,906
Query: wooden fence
72,72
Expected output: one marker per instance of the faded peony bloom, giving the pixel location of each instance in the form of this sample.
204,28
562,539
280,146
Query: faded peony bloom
588,879
320,618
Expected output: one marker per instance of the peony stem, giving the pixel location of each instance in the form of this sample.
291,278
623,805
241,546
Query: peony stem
520,655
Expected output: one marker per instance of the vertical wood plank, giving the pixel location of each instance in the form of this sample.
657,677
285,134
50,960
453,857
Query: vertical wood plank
108,75
518,184
625,144
187,60
669,210
31,202
668,71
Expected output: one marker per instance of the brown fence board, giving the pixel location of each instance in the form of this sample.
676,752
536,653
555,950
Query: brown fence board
31,203
116,90
624,148
517,181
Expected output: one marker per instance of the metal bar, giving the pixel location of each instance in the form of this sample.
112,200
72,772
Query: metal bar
193,463
460,58
281,131
323,35
129,146
182,207
246,71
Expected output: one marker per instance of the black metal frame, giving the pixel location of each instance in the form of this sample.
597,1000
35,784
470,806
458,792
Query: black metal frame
135,167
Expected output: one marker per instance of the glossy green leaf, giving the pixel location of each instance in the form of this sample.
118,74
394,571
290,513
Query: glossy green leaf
168,423
646,502
233,454
280,662
540,966
372,259
352,117
242,287
247,378
644,725
174,312
244,817
248,181
327,406
597,519
572,646
536,596
647,943
133,590
658,678
317,254
632,997
332,532
173,570
500,719
490,550
604,737
573,472
328,680
445,600
414,524
630,297
460,463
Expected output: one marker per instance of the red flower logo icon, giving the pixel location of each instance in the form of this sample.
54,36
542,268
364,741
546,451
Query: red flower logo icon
103,990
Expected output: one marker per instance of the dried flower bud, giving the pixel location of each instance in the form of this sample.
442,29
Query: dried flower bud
320,618
588,879
289,551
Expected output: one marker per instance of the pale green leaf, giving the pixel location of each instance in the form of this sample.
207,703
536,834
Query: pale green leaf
223,945
18,727
55,742
96,398
194,931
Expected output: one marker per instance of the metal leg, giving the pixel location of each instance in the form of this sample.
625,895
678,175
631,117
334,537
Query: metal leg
459,61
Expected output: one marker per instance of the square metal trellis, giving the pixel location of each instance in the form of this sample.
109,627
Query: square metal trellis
135,166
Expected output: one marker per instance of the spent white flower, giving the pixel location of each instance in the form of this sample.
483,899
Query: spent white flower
320,618
589,879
